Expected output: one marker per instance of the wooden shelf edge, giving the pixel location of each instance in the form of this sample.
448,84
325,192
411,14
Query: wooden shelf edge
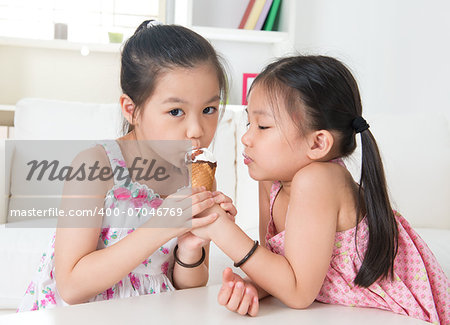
59,45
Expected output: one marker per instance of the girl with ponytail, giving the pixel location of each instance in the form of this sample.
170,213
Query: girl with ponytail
324,237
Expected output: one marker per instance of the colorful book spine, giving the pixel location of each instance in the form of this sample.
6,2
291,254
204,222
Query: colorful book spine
246,14
263,16
274,10
254,14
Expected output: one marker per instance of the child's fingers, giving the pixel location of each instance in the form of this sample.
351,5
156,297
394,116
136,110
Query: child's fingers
254,307
186,192
198,189
219,197
227,275
204,221
225,293
229,207
244,306
194,204
202,206
201,196
236,296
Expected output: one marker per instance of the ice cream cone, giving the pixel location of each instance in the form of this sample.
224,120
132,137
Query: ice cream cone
203,168
203,175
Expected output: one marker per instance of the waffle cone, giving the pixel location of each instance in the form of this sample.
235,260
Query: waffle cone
203,175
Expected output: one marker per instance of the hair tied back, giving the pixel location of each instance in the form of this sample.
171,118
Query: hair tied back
359,124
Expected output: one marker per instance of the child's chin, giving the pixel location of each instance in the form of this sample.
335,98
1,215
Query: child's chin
256,177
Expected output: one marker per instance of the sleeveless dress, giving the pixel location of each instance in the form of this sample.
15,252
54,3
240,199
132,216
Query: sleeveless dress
152,276
420,288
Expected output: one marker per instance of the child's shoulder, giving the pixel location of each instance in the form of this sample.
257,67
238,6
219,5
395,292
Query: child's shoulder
88,165
321,176
95,155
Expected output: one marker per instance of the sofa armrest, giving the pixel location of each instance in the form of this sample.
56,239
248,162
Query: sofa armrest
3,197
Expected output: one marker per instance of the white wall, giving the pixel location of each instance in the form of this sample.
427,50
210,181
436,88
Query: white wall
229,13
67,75
58,74
242,58
399,50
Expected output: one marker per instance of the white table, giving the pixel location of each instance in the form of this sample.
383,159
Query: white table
199,306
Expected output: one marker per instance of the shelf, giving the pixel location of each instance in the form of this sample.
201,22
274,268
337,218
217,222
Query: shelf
7,115
211,33
59,45
241,35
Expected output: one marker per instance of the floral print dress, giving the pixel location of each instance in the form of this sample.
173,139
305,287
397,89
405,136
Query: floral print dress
122,201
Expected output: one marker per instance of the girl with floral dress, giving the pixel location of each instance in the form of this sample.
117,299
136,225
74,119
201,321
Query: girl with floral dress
325,237
172,83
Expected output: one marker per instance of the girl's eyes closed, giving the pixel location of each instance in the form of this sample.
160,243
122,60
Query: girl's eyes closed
176,112
259,126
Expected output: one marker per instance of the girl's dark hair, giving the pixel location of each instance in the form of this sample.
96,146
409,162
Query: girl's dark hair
154,50
321,92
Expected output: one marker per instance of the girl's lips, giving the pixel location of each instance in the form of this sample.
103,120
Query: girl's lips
247,159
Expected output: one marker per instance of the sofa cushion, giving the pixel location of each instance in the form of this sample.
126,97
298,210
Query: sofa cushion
3,187
438,240
21,248
43,119
224,149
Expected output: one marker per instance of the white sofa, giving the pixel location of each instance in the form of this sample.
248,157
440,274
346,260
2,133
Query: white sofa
415,148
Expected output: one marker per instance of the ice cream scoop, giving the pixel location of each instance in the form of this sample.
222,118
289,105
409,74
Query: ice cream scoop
203,167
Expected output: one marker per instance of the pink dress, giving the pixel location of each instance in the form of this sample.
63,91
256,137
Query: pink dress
121,218
420,288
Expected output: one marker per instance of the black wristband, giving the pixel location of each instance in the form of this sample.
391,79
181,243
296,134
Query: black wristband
250,253
189,266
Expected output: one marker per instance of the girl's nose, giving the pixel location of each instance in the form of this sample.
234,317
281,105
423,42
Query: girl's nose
194,131
246,138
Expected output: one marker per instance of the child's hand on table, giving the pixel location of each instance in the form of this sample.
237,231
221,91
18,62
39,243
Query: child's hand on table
238,295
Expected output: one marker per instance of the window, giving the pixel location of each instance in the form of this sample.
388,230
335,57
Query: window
87,21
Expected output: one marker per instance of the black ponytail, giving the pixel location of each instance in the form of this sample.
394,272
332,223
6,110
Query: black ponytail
373,196
320,93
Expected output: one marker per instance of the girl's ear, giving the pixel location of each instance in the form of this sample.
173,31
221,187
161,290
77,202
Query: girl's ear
128,108
320,144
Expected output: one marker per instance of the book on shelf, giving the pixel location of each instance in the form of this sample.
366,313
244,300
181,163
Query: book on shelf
254,14
272,15
246,14
263,15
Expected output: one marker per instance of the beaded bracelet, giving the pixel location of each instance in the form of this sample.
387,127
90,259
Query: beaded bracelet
188,265
250,253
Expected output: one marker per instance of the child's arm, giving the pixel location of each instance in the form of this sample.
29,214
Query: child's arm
190,251
81,270
184,277
297,277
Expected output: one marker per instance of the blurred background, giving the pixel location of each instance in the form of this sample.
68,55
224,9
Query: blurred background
70,49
